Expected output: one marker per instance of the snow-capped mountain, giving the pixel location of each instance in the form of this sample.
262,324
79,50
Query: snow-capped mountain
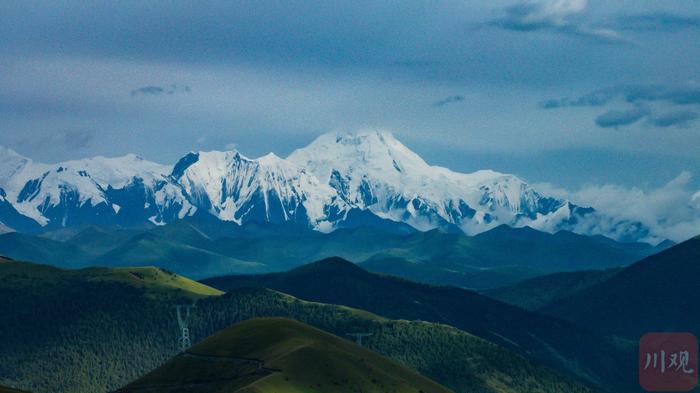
372,170
235,188
339,178
97,190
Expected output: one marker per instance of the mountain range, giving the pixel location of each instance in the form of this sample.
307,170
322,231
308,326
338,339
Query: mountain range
340,180
206,248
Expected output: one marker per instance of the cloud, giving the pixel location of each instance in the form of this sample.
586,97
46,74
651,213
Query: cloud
679,119
231,146
696,200
598,97
640,95
657,21
158,90
679,94
449,100
561,16
671,211
537,15
615,118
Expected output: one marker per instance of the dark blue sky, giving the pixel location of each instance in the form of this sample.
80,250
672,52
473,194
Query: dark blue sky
568,92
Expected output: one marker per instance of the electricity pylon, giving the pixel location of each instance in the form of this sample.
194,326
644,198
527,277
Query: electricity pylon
183,322
358,337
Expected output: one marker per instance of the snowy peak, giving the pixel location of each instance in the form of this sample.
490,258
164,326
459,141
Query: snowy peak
369,151
11,163
373,170
75,191
115,171
339,180
236,188
7,153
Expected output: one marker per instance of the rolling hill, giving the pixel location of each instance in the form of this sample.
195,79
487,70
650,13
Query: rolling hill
555,343
495,258
95,241
538,292
98,329
201,248
35,248
86,330
151,249
272,355
658,293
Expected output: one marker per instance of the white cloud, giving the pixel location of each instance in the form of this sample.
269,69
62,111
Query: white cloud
554,12
696,200
564,16
671,211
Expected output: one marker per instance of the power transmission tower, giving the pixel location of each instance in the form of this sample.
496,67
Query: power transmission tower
358,337
183,321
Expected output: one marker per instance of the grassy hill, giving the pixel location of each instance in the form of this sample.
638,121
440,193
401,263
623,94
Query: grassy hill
552,342
535,293
151,249
98,329
86,330
95,241
274,355
495,258
658,293
456,359
501,256
34,248
150,280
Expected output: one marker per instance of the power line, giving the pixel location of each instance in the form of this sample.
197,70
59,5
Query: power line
183,318
359,337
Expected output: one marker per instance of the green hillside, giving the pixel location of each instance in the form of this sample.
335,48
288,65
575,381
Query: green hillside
34,248
151,280
552,342
277,355
86,330
95,241
98,329
495,258
199,249
436,273
537,292
151,249
659,293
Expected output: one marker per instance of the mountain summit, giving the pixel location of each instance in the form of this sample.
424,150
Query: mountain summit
373,170
325,185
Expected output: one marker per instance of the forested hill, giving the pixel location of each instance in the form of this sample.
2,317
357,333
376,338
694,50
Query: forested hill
99,329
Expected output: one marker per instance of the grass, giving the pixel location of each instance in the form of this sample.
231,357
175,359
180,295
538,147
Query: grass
155,281
297,358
